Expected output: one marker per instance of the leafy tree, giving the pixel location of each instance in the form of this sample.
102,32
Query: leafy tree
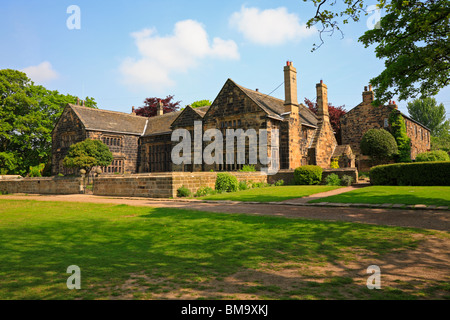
437,155
151,106
379,145
28,113
398,129
201,103
412,38
441,143
430,114
88,154
335,116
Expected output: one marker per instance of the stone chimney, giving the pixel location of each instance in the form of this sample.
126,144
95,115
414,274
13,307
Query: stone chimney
133,111
368,95
160,108
393,104
290,88
322,100
78,101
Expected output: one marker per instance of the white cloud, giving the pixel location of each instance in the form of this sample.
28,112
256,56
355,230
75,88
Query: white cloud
270,27
41,73
162,56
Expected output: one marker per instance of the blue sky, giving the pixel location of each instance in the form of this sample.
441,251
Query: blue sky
126,51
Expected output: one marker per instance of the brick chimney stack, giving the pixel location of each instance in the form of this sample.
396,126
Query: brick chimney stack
368,95
290,88
160,108
322,100
133,111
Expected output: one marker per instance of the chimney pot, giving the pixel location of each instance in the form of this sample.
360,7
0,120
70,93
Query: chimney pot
257,90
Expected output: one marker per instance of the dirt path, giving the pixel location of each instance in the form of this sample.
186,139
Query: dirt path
426,219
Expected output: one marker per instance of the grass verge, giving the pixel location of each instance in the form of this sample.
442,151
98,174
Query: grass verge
408,195
270,194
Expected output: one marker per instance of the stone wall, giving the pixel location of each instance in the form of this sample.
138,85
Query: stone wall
53,185
69,130
352,172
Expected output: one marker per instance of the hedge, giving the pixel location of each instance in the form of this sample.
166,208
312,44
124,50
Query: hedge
412,174
308,175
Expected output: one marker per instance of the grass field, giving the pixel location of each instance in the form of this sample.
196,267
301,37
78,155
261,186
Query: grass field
155,253
270,194
439,196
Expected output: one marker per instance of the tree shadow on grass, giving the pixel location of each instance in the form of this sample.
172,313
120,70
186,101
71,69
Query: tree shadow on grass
175,245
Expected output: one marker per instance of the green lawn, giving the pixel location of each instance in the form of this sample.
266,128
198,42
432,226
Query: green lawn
152,253
270,194
439,196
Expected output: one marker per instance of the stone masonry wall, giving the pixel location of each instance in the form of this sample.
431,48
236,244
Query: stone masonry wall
53,185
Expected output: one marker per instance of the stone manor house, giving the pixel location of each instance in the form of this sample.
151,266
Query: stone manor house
142,145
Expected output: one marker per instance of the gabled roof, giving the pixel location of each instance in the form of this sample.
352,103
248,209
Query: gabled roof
274,107
109,121
392,107
161,124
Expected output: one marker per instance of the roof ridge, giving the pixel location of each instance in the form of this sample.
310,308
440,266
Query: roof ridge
104,110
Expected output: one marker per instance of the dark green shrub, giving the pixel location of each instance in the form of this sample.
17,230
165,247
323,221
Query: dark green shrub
412,174
347,180
226,182
379,145
437,155
204,191
332,180
183,192
308,175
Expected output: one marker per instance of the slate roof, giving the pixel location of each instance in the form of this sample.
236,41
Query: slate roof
161,124
275,107
109,121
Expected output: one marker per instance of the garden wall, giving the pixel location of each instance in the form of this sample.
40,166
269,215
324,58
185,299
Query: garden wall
52,185
151,185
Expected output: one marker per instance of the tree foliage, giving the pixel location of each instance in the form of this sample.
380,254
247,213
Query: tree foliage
28,114
335,115
430,114
412,39
398,129
149,109
88,154
201,103
379,145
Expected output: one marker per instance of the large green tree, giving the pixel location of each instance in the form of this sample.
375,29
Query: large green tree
28,113
88,154
412,38
430,114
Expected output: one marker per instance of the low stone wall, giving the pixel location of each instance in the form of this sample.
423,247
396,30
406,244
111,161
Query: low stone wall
51,185
196,180
151,185
352,172
138,185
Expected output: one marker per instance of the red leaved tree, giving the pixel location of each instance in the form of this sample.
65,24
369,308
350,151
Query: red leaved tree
151,104
335,116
